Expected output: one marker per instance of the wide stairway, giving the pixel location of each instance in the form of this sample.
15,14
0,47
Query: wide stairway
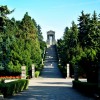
51,64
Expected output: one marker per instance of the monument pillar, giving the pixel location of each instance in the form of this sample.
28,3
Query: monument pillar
33,71
51,41
23,72
68,71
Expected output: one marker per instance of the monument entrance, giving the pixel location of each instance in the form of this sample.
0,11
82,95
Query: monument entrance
51,38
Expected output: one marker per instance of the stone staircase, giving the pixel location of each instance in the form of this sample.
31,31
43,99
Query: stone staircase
51,55
51,69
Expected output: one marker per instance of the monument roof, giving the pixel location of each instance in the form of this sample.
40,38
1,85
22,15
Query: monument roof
51,32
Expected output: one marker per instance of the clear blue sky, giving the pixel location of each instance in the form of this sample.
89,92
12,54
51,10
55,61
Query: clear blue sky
52,14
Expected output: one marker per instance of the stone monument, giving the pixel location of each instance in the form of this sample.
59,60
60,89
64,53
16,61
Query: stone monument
33,70
51,38
23,72
68,71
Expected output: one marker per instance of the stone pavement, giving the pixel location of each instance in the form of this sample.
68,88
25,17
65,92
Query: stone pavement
50,85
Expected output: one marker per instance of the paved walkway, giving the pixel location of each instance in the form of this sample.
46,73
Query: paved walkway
50,85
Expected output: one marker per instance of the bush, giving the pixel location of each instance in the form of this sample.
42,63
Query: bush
11,88
37,73
2,81
39,70
63,70
85,87
1,85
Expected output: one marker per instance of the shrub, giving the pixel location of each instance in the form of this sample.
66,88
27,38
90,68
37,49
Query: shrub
2,81
63,70
39,70
85,87
1,85
37,73
11,88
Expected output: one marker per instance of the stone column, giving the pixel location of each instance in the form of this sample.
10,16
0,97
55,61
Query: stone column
47,39
99,74
23,72
33,71
53,39
68,71
76,72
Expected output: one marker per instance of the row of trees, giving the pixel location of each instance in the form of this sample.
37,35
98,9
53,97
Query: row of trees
21,43
81,45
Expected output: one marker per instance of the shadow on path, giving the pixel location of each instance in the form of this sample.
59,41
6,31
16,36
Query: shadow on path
50,93
50,85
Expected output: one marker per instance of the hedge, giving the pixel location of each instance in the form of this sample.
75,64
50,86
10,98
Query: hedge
11,88
87,88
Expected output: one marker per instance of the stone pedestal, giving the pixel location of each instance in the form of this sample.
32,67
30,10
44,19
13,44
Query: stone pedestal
76,72
68,71
33,71
23,72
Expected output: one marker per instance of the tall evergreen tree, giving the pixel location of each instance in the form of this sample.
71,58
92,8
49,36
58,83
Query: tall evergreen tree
30,35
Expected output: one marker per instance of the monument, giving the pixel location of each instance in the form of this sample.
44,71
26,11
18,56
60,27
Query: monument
51,38
68,71
23,72
33,71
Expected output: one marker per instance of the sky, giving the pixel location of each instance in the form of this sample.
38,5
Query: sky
53,15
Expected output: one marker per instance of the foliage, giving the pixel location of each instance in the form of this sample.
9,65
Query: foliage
81,45
63,70
37,73
2,81
11,88
3,12
21,43
85,87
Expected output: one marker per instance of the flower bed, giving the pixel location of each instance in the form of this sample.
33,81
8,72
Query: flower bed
10,77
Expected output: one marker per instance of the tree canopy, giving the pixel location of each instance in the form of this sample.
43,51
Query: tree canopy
19,43
81,44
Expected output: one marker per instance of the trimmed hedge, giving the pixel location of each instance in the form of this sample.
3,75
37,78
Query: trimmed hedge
11,88
85,87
